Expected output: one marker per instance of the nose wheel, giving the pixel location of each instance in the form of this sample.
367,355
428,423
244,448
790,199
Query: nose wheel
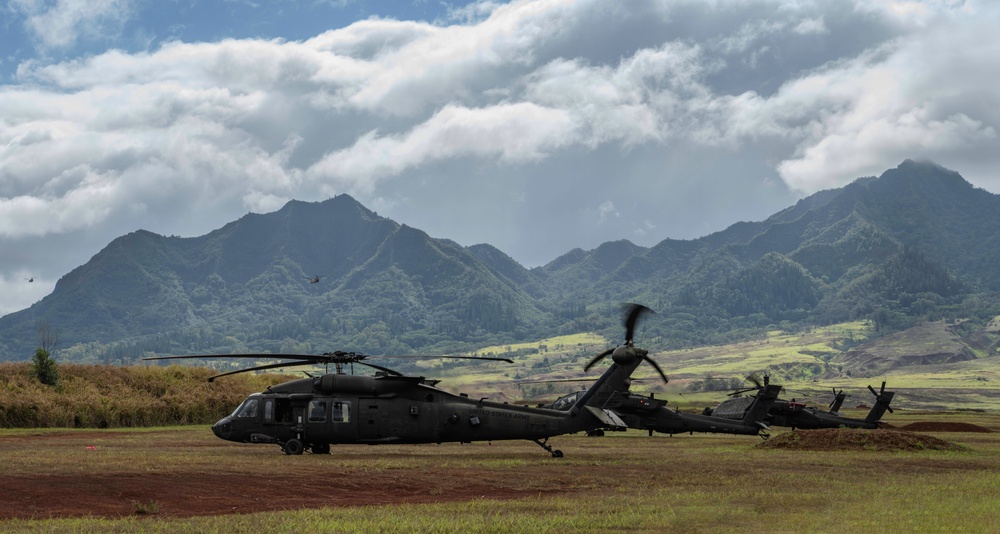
556,453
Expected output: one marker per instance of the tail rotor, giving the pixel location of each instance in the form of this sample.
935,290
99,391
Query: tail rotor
626,352
881,397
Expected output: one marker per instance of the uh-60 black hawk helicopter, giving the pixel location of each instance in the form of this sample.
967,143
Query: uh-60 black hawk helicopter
797,415
336,408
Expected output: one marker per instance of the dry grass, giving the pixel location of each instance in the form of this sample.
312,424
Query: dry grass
92,396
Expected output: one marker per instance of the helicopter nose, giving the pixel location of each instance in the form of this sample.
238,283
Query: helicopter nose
223,428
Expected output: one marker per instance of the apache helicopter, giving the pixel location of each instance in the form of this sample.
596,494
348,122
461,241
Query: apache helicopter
316,412
651,414
797,415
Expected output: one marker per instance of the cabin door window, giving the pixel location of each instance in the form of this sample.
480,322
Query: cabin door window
269,410
341,412
317,411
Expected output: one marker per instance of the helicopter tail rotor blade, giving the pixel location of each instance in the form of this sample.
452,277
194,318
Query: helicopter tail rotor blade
632,313
597,358
883,399
656,366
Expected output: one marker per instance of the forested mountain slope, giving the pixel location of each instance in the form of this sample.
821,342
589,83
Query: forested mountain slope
917,243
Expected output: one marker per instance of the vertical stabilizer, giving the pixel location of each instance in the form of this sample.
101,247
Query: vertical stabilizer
882,400
756,414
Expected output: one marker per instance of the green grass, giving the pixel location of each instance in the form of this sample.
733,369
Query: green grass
622,482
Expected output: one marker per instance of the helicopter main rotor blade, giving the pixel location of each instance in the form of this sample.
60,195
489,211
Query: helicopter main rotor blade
336,357
380,368
421,357
259,368
327,357
315,358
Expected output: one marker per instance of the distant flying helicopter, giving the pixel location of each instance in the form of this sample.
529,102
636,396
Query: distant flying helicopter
314,279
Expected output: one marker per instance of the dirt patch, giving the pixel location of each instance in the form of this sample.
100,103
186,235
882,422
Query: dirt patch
839,439
943,426
194,494
320,482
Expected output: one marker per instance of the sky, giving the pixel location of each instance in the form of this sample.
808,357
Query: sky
536,126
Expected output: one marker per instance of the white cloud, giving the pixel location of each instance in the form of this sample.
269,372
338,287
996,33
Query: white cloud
512,133
60,24
495,96
605,210
924,95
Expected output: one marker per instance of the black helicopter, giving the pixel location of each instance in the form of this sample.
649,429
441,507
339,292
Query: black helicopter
317,412
651,414
797,415
314,279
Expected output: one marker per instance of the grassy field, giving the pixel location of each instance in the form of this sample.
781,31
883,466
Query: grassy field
621,482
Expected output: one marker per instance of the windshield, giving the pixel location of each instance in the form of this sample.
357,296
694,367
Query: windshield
247,409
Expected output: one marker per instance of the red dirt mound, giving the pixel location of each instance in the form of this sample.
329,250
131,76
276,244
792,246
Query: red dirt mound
926,426
840,439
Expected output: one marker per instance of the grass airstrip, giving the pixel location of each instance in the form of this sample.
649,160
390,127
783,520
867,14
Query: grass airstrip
183,479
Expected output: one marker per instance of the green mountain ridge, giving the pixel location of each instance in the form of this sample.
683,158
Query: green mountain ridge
917,243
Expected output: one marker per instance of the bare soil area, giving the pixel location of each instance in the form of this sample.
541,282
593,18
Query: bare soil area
839,439
79,485
943,426
193,494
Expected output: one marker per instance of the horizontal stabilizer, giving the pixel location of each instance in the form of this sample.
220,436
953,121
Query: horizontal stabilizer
607,417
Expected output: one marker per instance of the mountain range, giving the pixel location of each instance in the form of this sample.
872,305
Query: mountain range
916,243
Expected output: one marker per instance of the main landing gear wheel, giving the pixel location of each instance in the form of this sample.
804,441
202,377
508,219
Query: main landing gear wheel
321,448
293,446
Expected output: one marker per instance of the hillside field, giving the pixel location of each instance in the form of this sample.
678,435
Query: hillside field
803,362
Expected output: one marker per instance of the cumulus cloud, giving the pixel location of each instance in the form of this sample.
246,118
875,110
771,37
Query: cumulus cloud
926,95
486,96
61,23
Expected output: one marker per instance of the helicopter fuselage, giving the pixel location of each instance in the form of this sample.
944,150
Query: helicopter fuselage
345,409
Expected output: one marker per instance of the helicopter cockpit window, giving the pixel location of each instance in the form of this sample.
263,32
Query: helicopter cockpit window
248,409
341,412
567,402
317,411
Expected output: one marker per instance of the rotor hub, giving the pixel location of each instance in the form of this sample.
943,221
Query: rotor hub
625,355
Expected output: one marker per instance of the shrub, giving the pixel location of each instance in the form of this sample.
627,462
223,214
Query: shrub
45,368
